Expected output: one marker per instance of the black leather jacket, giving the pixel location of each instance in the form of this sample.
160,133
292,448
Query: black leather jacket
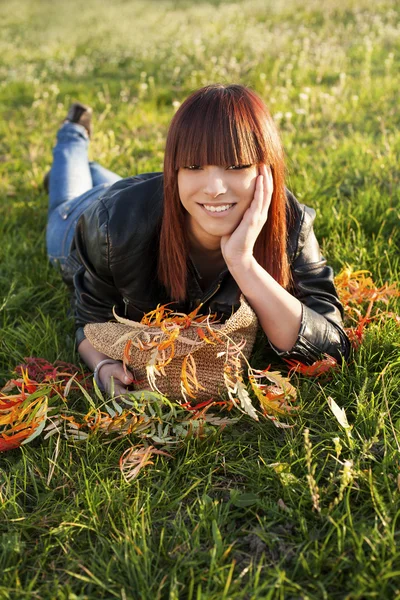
113,262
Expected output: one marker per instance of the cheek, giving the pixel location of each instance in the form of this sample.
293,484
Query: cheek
184,197
249,188
184,189
187,195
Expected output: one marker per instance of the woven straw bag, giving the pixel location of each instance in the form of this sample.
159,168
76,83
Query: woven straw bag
111,339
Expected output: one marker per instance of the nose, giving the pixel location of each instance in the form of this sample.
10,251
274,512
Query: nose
215,184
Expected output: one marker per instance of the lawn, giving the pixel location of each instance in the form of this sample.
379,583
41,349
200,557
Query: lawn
252,511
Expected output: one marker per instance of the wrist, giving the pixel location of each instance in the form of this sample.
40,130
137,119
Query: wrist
90,355
96,372
249,275
241,264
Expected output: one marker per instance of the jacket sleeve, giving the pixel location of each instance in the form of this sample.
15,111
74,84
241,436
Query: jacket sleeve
321,330
94,288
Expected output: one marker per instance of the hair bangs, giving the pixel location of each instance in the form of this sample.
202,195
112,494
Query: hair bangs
232,140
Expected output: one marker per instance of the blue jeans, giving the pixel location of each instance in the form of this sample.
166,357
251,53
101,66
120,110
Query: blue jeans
75,183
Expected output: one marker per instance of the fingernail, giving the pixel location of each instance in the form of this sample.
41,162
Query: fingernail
127,379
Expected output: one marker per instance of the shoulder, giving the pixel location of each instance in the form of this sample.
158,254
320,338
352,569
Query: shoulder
130,206
131,209
133,190
300,220
129,192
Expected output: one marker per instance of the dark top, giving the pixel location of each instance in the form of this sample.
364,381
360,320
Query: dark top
113,263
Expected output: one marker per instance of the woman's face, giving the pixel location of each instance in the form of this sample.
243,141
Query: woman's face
215,198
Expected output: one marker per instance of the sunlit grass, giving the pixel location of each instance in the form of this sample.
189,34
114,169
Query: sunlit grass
253,512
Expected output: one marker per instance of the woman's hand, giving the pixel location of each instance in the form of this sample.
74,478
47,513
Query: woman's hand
237,248
116,371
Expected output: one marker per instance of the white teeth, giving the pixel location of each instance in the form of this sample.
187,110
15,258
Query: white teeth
217,208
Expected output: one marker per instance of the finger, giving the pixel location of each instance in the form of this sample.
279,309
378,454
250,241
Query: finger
258,197
257,213
261,191
253,214
269,180
121,392
119,373
268,187
118,389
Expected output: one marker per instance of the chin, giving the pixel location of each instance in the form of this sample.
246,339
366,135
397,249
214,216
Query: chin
220,231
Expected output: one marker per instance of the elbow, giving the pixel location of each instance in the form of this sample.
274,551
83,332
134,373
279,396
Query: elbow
341,351
318,336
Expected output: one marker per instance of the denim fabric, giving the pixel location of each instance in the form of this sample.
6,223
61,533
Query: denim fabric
75,183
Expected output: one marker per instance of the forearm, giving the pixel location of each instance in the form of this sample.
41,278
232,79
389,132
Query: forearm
278,312
90,355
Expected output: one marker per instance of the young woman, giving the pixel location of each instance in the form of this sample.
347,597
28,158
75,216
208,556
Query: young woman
216,223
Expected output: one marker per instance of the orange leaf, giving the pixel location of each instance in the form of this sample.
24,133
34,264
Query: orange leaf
127,355
317,369
9,442
203,336
189,382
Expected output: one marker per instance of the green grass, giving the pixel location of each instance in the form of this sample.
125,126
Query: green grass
232,516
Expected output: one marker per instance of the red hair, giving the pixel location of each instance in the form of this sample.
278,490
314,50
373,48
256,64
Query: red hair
221,125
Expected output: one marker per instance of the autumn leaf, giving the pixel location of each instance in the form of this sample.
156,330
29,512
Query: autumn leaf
317,369
135,458
245,401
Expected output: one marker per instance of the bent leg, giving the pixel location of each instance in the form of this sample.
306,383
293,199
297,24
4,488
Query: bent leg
75,184
102,175
70,173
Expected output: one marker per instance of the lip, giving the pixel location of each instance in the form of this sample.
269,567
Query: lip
218,214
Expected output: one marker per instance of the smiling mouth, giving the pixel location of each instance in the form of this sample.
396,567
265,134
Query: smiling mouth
217,209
